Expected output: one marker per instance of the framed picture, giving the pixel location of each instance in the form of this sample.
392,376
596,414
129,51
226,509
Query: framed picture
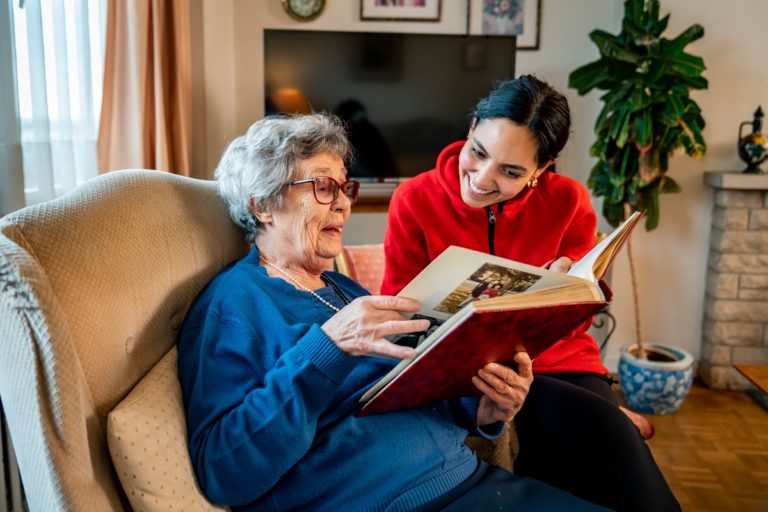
520,18
400,10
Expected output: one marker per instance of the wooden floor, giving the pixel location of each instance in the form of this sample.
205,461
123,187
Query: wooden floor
714,451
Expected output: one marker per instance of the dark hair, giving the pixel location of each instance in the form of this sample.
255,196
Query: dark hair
533,103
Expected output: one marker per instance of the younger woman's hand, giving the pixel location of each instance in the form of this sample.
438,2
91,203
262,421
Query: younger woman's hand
562,265
359,328
504,389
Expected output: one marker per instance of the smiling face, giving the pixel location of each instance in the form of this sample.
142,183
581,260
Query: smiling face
304,232
497,162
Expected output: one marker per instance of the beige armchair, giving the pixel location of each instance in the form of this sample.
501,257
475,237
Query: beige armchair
93,287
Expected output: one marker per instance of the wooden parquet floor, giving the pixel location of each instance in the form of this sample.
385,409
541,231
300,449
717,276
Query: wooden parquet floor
714,451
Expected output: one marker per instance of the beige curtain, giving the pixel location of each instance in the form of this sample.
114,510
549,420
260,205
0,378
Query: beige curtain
146,106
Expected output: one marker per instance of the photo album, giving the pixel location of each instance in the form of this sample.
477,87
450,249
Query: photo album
484,308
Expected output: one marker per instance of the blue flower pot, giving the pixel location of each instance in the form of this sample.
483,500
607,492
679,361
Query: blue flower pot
655,387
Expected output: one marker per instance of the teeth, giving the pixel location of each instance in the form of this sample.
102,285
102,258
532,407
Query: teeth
474,188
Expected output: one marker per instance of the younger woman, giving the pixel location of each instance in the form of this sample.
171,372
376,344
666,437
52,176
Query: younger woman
497,192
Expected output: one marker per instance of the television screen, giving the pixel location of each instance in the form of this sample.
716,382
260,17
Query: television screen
403,96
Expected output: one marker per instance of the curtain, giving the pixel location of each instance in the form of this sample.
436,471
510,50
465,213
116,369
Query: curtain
57,54
11,169
146,107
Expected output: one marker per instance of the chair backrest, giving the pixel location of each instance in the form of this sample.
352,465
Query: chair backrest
363,263
93,287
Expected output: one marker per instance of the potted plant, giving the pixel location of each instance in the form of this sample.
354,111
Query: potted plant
647,116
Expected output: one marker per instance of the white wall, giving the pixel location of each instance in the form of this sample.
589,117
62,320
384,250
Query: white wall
672,258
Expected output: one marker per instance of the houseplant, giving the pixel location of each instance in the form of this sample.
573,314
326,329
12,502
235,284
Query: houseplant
647,116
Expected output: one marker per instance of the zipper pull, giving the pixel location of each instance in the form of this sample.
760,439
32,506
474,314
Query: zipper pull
491,216
491,229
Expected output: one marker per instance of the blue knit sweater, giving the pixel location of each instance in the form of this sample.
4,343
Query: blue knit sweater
270,404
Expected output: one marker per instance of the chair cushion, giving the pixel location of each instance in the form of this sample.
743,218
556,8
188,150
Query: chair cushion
147,437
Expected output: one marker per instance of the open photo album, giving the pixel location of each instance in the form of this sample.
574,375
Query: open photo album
484,308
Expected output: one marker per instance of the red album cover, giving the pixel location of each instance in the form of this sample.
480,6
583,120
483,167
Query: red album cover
445,371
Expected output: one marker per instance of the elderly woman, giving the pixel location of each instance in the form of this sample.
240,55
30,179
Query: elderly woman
276,351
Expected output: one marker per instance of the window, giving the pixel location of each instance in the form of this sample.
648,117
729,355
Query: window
59,54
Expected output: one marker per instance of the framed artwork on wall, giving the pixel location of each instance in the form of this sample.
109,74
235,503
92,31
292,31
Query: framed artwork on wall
519,18
400,10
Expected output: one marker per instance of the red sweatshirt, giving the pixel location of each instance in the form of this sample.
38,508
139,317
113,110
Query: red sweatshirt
427,214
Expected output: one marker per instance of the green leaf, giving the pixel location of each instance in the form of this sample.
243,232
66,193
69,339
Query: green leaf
698,137
598,178
692,108
603,119
693,82
615,195
692,140
668,186
627,159
643,128
611,48
618,94
589,76
631,31
632,192
651,205
634,10
623,135
691,34
613,213
599,148
664,117
617,179
658,27
636,100
675,106
619,124
684,65
652,12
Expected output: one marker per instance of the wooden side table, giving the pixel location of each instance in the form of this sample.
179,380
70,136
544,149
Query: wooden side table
756,373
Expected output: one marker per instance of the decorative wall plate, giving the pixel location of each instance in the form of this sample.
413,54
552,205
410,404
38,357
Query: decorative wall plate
303,10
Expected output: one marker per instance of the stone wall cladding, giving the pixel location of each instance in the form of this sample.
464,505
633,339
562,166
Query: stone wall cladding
735,329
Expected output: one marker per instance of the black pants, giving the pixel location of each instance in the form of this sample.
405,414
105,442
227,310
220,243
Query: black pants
574,437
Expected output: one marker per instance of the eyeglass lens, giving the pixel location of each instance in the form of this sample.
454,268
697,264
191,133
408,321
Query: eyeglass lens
327,189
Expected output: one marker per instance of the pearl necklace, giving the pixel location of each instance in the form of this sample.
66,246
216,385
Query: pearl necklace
297,283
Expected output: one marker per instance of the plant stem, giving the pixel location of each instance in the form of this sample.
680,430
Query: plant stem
636,296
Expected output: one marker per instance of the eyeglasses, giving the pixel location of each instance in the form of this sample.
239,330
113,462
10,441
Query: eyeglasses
326,189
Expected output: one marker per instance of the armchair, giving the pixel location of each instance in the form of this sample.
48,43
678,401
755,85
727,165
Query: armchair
93,287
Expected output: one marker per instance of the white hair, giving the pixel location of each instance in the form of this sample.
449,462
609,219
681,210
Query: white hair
257,166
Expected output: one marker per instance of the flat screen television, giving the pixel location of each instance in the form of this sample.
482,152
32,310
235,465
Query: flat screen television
403,96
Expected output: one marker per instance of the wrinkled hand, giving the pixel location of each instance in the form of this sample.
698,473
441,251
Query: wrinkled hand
504,390
562,265
359,328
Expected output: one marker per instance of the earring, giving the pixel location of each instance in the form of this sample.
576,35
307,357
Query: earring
534,182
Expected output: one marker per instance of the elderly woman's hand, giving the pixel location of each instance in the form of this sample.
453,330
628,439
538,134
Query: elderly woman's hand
360,327
504,389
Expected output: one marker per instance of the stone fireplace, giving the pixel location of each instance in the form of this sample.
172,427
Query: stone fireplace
735,327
